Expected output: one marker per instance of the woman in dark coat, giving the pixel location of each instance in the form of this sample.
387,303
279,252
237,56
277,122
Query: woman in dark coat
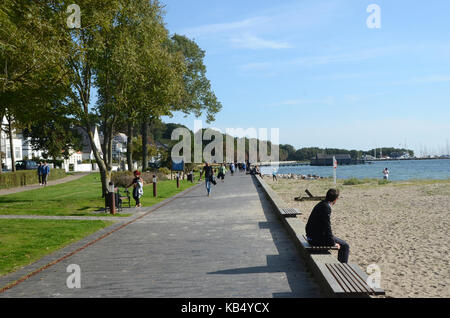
138,188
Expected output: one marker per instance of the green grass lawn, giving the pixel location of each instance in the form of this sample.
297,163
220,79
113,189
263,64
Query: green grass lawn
77,198
25,241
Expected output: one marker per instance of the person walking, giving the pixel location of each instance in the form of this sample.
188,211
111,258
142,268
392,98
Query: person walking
386,174
232,168
45,173
39,172
208,171
274,175
318,228
222,172
138,188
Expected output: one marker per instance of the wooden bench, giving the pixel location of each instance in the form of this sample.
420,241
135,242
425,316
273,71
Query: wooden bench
347,280
311,248
119,199
310,197
125,197
290,212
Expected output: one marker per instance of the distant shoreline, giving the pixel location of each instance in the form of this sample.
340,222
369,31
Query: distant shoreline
307,163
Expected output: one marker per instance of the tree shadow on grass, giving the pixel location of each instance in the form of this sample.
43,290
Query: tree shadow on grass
14,201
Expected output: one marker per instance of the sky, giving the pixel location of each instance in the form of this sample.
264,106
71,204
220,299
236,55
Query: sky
316,71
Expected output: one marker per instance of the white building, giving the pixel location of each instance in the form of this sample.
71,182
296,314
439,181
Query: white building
6,149
28,151
23,149
87,152
119,146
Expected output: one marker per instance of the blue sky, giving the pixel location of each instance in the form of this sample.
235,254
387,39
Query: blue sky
315,70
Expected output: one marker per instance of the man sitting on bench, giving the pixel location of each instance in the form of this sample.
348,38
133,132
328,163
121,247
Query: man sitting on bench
318,228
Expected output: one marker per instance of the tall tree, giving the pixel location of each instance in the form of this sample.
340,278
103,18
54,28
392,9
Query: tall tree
30,60
197,95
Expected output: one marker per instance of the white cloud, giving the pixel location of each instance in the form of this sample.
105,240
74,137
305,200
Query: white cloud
248,41
218,28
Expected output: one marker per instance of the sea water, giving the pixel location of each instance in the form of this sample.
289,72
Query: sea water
399,170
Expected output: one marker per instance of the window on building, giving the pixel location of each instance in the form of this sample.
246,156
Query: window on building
17,152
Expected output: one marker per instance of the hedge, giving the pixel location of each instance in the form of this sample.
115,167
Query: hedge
124,178
26,177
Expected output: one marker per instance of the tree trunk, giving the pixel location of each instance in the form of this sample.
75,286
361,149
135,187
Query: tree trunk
145,143
105,171
130,146
11,145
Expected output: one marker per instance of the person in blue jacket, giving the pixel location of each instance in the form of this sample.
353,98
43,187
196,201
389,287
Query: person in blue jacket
45,173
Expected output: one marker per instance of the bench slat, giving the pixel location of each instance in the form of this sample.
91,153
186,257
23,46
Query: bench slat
304,241
347,279
331,280
341,279
359,282
363,276
290,212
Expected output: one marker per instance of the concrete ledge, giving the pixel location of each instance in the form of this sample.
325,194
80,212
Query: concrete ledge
296,227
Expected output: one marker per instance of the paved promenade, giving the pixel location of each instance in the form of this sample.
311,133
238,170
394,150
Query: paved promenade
228,245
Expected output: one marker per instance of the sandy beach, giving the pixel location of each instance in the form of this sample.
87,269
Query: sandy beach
403,227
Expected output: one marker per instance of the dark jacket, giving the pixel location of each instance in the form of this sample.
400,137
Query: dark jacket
208,172
318,228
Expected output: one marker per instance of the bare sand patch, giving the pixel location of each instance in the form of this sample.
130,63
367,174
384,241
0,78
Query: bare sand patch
403,227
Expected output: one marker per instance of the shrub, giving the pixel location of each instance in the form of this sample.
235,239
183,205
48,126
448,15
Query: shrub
124,178
26,177
356,181
164,170
353,181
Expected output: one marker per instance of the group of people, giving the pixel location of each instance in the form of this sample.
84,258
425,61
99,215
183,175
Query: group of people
210,173
43,171
235,167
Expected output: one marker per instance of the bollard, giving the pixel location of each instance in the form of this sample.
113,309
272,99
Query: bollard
154,186
112,206
178,180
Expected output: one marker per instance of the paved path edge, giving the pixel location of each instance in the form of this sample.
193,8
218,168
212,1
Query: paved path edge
10,280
